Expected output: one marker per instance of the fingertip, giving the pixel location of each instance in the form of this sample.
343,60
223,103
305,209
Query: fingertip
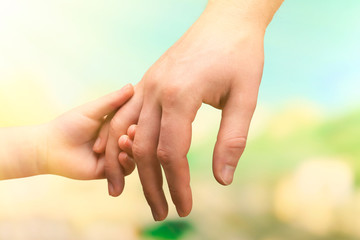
115,189
127,163
129,85
122,156
224,165
160,214
183,213
184,206
123,140
125,144
220,180
113,170
128,89
102,138
97,146
111,188
131,131
100,145
227,153
225,176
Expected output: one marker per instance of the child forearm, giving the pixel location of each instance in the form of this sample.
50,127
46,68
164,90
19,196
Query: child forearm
21,151
64,146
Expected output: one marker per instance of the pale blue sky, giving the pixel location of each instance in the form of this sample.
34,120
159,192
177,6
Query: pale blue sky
312,47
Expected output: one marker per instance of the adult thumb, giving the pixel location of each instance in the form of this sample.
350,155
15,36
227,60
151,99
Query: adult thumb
232,136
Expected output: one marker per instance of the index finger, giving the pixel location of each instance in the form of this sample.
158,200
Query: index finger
126,116
174,144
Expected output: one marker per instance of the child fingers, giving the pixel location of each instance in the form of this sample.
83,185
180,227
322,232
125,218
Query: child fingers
131,131
100,167
101,141
103,106
125,144
127,163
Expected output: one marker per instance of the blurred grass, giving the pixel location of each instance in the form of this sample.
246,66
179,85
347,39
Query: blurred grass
167,230
56,55
290,137
243,211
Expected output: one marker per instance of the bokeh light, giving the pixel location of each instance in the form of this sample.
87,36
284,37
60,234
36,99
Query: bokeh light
299,177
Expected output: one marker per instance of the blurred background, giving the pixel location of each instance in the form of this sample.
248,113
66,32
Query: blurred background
300,174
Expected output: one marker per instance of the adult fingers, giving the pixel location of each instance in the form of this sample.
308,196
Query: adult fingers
174,144
113,170
101,140
125,116
144,149
232,136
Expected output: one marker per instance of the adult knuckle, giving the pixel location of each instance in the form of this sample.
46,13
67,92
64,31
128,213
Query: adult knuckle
164,156
139,151
151,82
170,90
171,94
152,78
235,142
154,73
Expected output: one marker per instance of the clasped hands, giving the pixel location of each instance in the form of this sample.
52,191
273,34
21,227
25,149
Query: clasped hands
218,61
212,63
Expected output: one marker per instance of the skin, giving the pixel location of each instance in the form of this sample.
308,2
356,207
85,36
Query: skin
218,61
64,146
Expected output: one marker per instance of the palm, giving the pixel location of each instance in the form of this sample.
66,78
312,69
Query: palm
78,160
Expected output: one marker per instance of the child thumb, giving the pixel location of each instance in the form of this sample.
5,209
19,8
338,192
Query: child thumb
107,104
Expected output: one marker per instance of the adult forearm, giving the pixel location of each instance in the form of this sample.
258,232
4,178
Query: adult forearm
20,152
254,12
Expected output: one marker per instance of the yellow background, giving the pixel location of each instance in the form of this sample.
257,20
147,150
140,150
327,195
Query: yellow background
299,177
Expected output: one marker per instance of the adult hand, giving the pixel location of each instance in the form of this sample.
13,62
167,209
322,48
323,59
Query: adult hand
218,61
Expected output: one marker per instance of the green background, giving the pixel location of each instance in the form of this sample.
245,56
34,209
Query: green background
298,178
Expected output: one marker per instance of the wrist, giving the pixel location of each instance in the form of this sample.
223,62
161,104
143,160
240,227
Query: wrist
21,154
252,13
41,146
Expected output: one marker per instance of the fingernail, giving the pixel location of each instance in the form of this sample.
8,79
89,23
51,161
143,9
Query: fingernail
155,215
228,174
111,188
128,86
123,139
180,212
97,143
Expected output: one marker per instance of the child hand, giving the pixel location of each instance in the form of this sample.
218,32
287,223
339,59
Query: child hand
69,148
126,160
